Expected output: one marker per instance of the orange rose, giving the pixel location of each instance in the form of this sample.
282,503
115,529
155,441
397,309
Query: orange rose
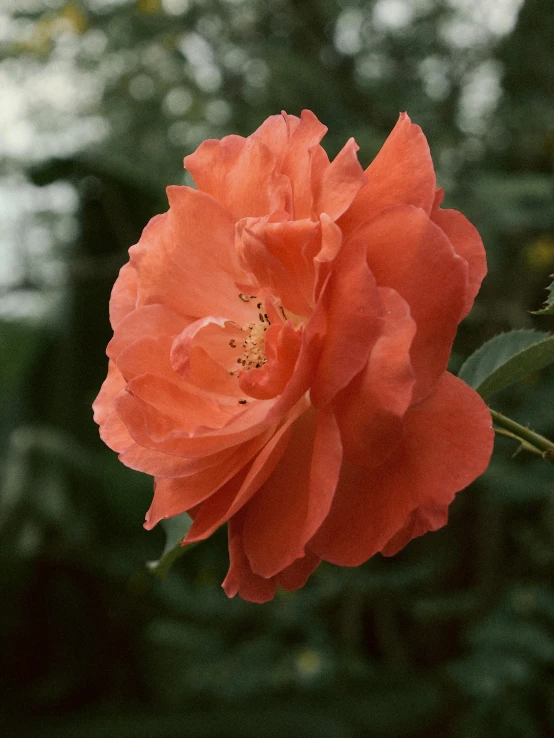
279,356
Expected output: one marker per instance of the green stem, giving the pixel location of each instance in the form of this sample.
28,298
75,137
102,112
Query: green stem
529,439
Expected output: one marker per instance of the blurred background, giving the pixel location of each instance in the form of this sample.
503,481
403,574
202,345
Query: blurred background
100,101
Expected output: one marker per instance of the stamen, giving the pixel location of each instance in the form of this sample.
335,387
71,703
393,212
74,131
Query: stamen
254,353
253,345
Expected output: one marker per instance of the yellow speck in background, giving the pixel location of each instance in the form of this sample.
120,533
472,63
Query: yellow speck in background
149,7
540,253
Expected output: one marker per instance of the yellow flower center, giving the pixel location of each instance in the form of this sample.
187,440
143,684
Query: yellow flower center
253,355
254,349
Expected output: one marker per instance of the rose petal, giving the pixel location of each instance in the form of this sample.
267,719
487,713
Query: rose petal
240,173
148,431
291,505
331,242
296,575
340,182
402,172
172,496
222,506
112,430
216,336
276,132
240,579
124,294
420,521
280,256
351,305
186,260
426,272
467,243
159,464
146,321
447,443
296,163
370,409
147,356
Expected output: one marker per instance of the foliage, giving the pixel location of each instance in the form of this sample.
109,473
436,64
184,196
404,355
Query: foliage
506,359
175,530
548,308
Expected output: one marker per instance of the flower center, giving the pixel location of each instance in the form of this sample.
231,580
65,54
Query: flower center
253,355
254,349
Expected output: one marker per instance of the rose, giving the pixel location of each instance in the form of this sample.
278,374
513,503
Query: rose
279,356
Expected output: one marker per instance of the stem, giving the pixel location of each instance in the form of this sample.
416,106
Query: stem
529,439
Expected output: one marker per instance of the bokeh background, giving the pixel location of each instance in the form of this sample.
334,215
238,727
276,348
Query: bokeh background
100,101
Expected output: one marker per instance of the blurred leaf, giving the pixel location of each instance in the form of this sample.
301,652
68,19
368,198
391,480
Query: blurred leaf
518,486
531,641
175,529
485,674
273,721
506,359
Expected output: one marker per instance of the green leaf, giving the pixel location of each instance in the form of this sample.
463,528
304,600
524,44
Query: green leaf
506,359
548,307
175,529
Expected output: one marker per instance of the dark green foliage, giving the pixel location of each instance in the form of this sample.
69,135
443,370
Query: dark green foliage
506,359
175,530
548,307
453,637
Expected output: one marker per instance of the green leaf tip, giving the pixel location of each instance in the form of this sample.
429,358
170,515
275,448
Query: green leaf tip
548,307
175,529
506,359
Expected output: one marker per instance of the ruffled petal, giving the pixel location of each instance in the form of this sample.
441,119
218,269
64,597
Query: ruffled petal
351,306
240,578
331,242
276,133
186,260
447,443
241,173
124,294
166,417
420,521
467,243
221,507
296,575
172,496
340,182
168,466
280,256
112,429
401,173
148,321
370,410
147,356
152,429
291,505
424,269
296,163
220,338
